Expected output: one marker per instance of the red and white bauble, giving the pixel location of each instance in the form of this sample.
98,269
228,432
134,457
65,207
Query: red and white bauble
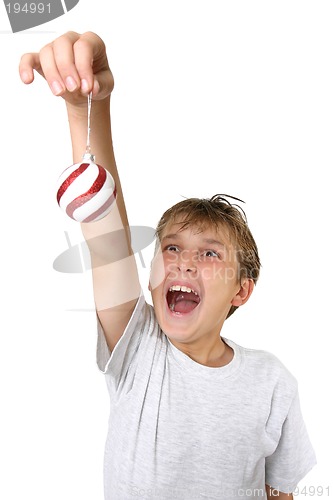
86,191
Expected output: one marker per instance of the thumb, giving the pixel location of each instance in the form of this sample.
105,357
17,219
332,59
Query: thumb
29,63
103,84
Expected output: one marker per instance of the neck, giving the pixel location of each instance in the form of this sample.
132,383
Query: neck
214,354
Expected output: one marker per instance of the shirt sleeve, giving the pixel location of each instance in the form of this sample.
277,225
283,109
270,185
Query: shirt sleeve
294,456
116,362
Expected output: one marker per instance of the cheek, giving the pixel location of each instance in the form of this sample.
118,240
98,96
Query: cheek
218,274
210,272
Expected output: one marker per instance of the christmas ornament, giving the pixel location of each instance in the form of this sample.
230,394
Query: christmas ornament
86,191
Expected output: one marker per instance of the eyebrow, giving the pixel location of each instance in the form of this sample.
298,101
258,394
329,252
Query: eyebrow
171,236
209,241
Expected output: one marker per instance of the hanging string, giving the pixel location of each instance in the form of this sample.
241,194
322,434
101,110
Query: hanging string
88,148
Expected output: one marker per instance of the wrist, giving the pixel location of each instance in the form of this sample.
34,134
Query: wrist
80,110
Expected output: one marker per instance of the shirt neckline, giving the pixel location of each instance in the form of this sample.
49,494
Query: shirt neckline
208,371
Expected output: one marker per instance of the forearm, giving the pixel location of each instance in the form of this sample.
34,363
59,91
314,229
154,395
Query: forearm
108,238
101,146
100,136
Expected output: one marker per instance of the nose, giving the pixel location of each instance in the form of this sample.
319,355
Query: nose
186,262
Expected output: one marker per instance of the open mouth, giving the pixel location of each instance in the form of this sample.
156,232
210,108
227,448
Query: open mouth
182,299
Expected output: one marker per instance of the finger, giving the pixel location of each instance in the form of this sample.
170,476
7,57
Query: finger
84,59
50,70
90,59
65,61
28,63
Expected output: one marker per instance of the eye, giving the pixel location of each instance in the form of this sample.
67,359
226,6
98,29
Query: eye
211,253
172,248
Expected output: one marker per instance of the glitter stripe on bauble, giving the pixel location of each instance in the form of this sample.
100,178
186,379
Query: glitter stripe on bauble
86,192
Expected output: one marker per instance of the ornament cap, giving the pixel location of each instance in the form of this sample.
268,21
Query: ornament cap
88,157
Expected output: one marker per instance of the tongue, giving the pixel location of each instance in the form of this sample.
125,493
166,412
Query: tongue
182,302
184,306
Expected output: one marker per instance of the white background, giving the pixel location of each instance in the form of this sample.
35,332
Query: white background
210,97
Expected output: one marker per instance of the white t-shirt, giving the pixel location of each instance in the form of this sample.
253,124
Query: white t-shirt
181,430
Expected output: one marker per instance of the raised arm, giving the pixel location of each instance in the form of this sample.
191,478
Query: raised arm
73,65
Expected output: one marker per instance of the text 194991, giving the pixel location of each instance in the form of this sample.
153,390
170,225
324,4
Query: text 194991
28,8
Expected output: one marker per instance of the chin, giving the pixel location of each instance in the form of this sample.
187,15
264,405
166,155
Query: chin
180,327
179,337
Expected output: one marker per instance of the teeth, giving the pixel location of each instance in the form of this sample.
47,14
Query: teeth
178,288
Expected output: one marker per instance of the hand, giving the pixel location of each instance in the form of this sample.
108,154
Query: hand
73,65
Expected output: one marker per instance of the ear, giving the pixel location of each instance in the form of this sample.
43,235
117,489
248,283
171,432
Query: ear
244,292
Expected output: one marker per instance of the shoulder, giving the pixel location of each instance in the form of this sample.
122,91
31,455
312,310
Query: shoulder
267,370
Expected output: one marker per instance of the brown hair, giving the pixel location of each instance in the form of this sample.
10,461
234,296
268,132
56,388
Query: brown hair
218,211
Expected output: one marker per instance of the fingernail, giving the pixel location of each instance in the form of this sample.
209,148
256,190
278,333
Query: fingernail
70,83
84,86
25,76
96,88
57,88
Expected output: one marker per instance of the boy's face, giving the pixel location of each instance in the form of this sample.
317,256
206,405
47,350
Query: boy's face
194,281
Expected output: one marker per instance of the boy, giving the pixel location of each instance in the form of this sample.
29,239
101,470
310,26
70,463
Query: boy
193,415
